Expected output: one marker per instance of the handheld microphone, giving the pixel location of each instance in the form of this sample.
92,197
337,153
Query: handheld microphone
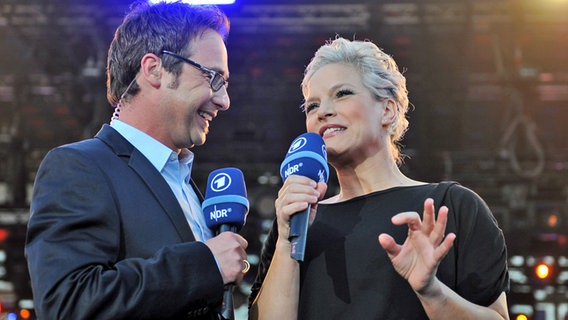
306,157
225,209
226,205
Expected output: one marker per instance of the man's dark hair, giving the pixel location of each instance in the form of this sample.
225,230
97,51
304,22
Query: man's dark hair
151,29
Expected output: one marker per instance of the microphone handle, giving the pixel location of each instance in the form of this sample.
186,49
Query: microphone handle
298,232
227,227
228,307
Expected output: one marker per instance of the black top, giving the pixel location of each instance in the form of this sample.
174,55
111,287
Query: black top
346,274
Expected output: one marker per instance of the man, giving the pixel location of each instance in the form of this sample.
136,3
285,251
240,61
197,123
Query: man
116,228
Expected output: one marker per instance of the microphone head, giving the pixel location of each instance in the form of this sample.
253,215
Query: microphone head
226,200
306,157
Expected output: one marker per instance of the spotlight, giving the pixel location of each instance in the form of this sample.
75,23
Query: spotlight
542,271
199,1
521,312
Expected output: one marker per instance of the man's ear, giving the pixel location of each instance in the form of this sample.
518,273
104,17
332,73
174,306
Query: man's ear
389,112
151,67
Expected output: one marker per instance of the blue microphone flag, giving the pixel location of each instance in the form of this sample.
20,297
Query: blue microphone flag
226,200
306,157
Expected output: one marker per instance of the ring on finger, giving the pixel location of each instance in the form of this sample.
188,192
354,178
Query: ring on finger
246,266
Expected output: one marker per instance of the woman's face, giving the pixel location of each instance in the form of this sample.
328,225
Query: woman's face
352,122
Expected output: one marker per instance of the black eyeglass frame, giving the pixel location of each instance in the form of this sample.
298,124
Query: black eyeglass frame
216,80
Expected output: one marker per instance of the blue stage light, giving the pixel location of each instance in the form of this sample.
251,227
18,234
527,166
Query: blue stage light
199,1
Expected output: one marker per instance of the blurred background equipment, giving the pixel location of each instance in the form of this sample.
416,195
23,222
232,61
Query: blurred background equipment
488,79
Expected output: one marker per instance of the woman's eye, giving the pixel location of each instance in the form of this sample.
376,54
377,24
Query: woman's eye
310,107
344,92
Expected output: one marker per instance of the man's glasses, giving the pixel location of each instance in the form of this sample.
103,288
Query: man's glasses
216,80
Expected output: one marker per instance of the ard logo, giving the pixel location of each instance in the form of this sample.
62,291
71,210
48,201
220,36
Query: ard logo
220,182
297,144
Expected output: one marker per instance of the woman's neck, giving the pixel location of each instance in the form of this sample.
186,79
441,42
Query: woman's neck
370,176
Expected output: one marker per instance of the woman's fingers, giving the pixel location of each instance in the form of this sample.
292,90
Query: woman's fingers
432,226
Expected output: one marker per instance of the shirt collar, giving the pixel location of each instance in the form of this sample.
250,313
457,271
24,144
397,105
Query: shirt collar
157,153
185,157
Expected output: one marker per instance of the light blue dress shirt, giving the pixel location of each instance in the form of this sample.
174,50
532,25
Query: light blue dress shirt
176,169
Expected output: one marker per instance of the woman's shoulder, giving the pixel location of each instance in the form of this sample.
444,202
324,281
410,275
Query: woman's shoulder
456,189
443,189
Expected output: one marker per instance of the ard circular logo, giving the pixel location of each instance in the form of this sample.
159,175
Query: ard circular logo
220,182
297,144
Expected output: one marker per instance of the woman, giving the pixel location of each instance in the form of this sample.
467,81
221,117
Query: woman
447,265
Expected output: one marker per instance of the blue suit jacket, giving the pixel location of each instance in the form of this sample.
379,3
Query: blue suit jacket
107,239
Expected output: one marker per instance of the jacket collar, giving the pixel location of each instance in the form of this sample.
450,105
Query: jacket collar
151,177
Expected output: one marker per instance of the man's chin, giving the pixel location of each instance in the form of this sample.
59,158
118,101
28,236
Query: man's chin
198,142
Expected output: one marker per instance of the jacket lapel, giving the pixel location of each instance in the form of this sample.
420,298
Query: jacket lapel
151,177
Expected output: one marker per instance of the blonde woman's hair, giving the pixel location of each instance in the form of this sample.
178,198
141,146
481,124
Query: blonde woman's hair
380,74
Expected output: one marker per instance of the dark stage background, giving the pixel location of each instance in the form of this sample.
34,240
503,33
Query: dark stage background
488,79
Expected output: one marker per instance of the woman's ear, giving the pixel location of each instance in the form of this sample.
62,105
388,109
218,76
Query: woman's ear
151,67
389,113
